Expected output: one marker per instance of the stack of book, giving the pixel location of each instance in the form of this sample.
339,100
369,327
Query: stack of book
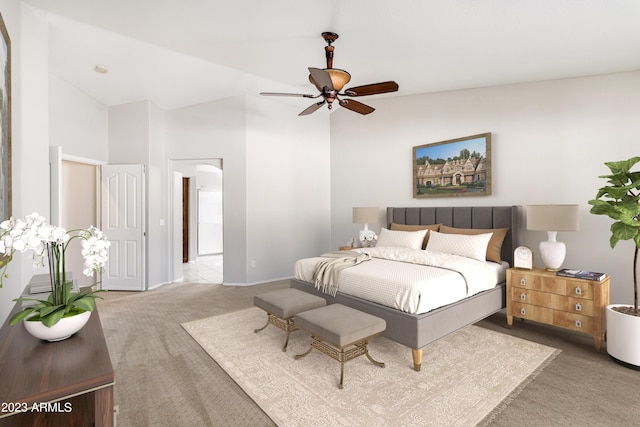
581,274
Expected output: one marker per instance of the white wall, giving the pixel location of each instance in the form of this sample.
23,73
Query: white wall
77,122
288,192
209,217
209,222
217,130
157,200
549,144
175,225
129,133
30,138
137,136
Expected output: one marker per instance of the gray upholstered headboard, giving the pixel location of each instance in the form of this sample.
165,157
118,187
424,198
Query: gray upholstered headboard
464,217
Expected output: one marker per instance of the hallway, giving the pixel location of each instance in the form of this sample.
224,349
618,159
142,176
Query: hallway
207,269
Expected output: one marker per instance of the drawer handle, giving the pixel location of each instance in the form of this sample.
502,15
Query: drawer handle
578,306
523,282
523,311
523,296
578,323
578,290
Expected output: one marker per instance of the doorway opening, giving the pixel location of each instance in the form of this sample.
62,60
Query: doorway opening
197,249
78,209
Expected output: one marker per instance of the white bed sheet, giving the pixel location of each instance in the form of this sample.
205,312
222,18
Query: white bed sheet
409,287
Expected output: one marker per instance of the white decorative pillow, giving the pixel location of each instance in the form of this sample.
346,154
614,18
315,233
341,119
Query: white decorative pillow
401,239
470,246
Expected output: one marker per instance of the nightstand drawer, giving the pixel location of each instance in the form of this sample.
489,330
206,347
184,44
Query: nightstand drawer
579,289
531,312
579,306
537,282
521,280
554,301
527,296
573,321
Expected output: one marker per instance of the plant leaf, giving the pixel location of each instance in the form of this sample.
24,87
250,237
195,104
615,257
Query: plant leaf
623,166
52,318
42,303
45,311
19,316
87,303
84,292
622,231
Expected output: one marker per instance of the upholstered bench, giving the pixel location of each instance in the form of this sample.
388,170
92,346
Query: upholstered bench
340,332
282,305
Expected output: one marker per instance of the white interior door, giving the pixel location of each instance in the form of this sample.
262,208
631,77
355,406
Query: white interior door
123,224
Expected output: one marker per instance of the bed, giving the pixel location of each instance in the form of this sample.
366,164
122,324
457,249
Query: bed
418,330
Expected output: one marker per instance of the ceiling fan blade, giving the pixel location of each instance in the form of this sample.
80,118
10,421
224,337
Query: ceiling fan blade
312,108
356,106
301,95
372,89
321,78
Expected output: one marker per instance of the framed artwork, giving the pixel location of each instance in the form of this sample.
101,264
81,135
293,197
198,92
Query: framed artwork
5,126
456,167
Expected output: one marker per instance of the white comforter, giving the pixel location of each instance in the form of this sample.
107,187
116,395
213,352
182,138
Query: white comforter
411,280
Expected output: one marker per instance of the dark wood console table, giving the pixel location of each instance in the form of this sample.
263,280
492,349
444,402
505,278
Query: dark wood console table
66,383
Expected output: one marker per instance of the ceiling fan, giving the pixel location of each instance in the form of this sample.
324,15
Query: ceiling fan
330,81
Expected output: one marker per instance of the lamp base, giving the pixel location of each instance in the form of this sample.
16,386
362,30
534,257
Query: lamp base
552,252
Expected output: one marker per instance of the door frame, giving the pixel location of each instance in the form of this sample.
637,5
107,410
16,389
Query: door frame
172,166
56,156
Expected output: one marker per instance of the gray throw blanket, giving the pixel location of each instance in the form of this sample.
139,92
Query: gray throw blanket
325,276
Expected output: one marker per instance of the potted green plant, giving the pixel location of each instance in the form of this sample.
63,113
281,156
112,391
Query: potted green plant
64,310
620,201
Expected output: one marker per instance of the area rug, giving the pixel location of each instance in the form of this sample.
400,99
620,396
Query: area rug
465,377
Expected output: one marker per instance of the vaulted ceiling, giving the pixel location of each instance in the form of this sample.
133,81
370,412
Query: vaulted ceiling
183,52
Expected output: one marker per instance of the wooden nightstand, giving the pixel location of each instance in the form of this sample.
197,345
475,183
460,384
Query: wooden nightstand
541,296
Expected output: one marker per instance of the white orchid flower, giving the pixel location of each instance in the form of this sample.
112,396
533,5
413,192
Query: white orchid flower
33,234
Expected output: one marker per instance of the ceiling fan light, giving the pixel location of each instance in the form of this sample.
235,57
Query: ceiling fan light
339,78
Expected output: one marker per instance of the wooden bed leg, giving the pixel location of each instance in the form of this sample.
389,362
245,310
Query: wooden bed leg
417,359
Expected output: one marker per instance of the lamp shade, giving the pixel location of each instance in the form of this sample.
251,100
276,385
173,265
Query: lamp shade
365,215
552,217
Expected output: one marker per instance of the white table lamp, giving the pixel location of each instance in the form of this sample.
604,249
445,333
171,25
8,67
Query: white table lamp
552,218
365,216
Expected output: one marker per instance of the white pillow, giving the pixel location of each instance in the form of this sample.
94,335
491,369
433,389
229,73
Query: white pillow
466,245
401,239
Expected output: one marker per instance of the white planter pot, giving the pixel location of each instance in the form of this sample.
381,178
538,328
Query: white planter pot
623,337
66,327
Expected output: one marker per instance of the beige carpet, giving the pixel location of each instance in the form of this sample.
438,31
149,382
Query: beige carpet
464,379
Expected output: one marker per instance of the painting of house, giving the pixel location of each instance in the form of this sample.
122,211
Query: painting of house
453,168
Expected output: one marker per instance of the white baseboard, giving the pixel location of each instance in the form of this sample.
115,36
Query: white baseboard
150,288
